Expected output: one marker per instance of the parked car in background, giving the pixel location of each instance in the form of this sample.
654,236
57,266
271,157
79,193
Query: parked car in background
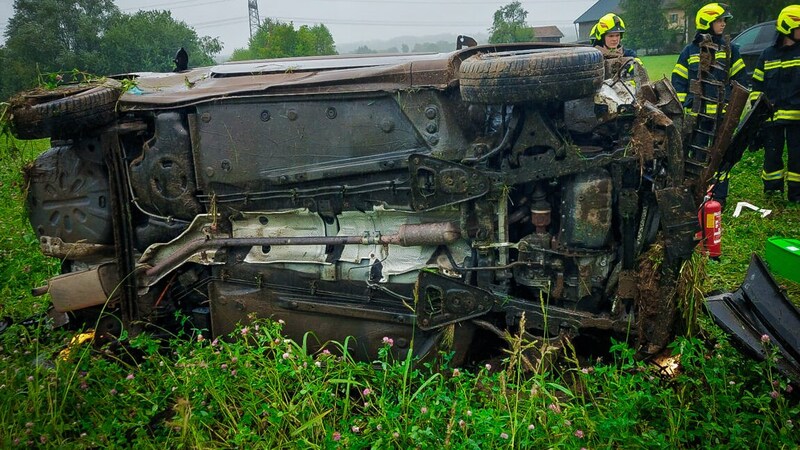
753,41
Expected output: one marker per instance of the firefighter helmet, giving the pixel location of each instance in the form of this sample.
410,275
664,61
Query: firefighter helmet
711,12
788,19
610,23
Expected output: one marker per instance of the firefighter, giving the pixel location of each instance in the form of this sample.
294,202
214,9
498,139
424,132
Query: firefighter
777,75
607,36
710,20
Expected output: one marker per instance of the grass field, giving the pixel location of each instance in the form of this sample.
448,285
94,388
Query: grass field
258,390
659,66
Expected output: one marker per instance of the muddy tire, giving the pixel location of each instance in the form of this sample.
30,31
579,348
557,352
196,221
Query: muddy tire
65,111
531,76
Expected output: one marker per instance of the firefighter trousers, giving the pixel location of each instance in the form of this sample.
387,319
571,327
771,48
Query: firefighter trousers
776,137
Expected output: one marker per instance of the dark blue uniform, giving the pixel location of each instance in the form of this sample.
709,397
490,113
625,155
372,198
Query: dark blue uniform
777,75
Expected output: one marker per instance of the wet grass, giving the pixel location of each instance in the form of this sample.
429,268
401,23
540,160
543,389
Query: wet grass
659,66
259,390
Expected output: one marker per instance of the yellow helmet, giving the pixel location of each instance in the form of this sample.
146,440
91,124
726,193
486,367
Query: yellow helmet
710,13
609,23
788,19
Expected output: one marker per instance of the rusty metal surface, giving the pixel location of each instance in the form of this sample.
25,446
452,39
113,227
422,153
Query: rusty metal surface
311,75
79,290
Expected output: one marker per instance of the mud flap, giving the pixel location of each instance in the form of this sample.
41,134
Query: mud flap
756,309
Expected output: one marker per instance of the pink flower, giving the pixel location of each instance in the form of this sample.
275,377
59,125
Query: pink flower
200,338
585,370
130,376
503,436
233,372
789,388
336,436
355,429
469,413
423,410
764,338
488,366
113,392
555,408
579,434
388,341
215,342
531,427
366,392
774,394
461,423
245,331
280,321
30,378
286,356
395,435
456,372
224,366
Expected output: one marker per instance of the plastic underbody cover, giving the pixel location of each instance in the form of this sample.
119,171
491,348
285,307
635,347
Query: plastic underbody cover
757,309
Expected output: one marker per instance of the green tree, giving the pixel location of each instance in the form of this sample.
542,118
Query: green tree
645,30
148,41
509,25
275,39
53,35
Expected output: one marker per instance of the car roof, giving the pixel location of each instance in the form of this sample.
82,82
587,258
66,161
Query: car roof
306,76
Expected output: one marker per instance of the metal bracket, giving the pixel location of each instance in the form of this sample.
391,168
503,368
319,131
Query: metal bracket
442,301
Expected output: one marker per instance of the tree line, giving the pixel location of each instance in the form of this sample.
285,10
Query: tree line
49,39
46,37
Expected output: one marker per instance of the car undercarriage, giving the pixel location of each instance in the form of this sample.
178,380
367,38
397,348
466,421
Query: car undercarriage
435,199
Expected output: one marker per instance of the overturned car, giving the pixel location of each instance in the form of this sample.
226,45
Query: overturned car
433,198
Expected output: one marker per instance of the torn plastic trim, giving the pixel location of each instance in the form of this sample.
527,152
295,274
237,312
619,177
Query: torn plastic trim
759,308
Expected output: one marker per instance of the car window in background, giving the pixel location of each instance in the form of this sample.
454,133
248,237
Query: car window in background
753,41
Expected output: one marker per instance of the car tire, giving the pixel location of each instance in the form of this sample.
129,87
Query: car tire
532,76
64,111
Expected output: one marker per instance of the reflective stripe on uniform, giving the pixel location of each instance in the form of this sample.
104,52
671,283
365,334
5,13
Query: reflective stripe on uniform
711,109
681,96
754,96
777,175
722,176
778,64
758,75
737,66
681,71
786,114
693,59
793,177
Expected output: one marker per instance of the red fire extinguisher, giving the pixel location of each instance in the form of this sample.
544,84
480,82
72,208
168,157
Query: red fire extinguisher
710,216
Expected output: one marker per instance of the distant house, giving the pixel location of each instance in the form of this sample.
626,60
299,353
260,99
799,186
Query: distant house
547,34
587,20
676,17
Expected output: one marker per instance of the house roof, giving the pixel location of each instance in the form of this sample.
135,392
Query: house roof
598,10
550,31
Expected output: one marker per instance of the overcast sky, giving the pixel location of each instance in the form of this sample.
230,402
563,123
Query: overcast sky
350,20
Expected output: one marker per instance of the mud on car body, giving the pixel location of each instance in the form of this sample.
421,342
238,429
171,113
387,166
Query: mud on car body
414,197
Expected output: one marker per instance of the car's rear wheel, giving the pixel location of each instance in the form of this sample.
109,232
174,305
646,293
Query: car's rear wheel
531,76
64,111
